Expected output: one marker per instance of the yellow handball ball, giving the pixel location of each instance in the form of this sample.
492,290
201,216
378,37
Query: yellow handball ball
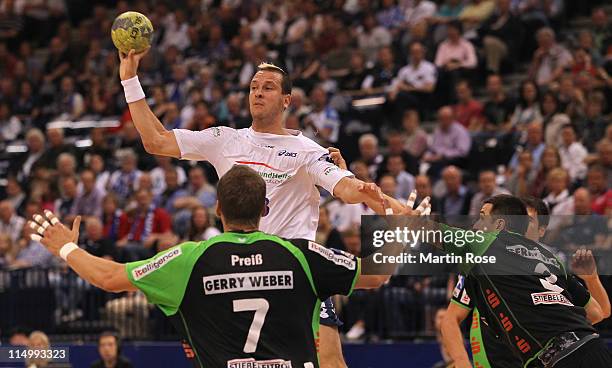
132,30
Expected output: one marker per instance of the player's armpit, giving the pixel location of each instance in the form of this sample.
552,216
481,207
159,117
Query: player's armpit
163,144
452,339
119,281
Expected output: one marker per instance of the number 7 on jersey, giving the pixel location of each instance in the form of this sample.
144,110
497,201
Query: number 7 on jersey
260,306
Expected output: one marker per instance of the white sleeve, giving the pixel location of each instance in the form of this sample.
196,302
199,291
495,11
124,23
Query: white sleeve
432,74
203,145
324,173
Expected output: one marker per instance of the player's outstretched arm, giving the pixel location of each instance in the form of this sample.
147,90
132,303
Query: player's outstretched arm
352,190
452,338
389,250
155,138
61,241
583,264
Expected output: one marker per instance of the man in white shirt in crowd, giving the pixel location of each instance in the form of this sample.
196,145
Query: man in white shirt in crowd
323,123
414,84
572,153
550,59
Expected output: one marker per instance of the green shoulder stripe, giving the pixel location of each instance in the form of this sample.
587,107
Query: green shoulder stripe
164,277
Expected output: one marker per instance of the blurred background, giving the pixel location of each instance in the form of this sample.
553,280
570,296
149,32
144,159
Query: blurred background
460,99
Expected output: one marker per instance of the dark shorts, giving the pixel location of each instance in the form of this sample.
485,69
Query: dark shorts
593,354
328,316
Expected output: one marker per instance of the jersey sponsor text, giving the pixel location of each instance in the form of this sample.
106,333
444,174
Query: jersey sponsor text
339,259
550,297
248,281
252,260
147,268
252,363
534,253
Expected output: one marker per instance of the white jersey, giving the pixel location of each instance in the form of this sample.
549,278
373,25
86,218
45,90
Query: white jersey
291,165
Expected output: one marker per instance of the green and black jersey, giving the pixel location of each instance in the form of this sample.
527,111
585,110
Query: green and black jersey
526,296
488,350
247,300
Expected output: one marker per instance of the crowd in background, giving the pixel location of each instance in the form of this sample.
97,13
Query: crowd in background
417,94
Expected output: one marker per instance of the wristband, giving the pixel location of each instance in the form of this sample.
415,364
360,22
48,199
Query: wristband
66,250
132,89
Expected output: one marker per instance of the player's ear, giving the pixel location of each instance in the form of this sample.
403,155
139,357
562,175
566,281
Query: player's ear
500,224
541,231
218,209
286,101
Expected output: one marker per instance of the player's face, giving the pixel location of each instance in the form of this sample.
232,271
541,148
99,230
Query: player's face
266,99
487,222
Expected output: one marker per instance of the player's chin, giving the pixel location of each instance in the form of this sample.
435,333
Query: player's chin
258,113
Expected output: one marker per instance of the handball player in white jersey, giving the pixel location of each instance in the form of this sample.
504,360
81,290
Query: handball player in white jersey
291,164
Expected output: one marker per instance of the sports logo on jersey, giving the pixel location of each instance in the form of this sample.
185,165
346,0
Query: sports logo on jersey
337,256
216,132
459,286
287,153
247,281
149,267
252,363
465,298
550,297
533,253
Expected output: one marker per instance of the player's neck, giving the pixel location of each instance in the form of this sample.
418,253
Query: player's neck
240,229
274,128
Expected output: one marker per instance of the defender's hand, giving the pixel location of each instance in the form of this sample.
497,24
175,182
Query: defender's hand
583,263
52,233
423,209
